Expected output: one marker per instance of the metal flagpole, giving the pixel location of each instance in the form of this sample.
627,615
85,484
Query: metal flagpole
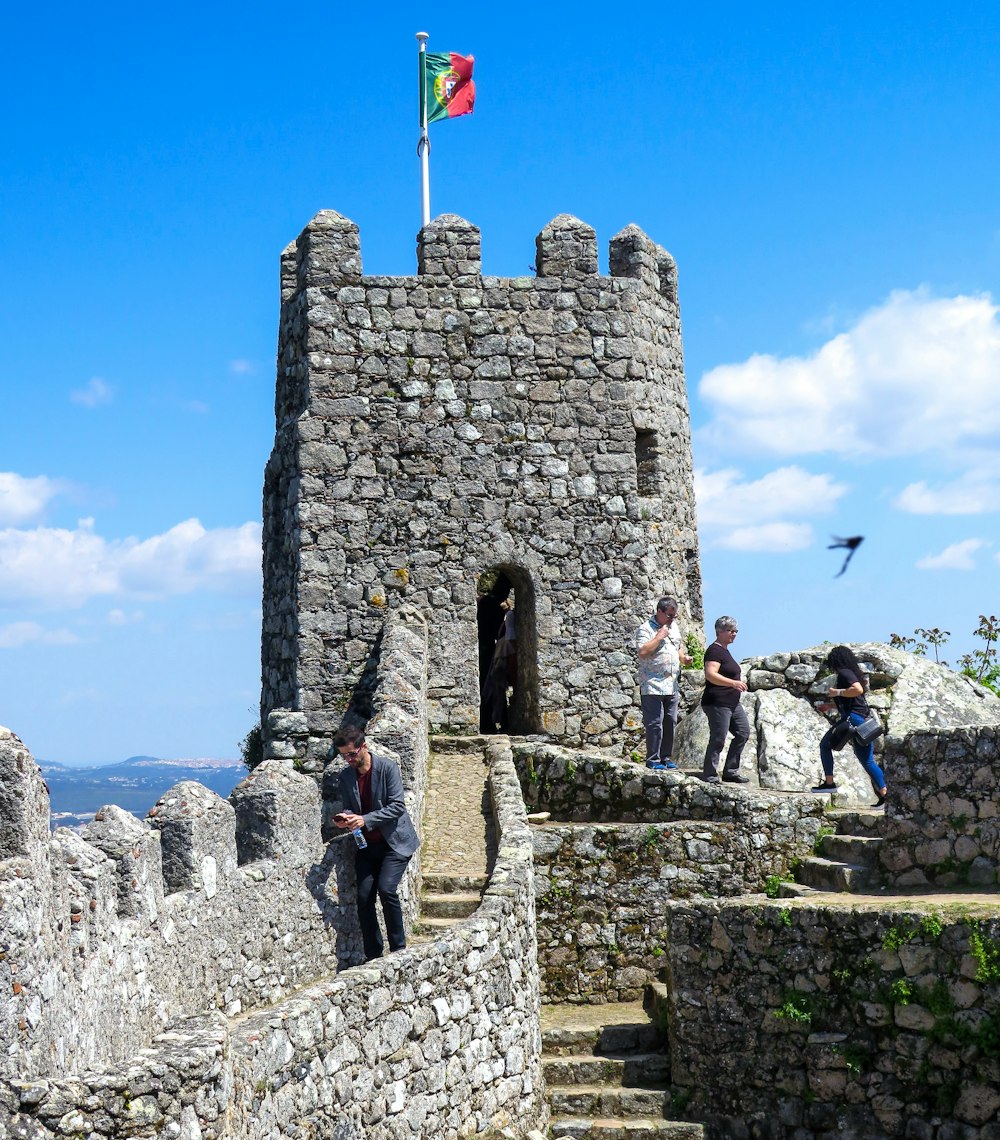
424,146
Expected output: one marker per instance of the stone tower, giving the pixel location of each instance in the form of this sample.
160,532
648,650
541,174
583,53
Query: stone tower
434,428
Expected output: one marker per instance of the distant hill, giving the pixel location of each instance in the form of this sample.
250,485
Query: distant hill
134,784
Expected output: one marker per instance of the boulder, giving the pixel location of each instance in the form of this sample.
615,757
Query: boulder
691,741
909,693
788,734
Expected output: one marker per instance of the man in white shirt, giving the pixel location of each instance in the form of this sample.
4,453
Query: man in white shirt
658,642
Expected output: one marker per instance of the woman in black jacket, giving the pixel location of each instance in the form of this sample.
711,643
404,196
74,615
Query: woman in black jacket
848,693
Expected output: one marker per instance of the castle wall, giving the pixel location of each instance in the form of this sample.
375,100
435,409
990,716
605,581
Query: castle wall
604,890
434,427
859,1020
942,828
111,935
440,1040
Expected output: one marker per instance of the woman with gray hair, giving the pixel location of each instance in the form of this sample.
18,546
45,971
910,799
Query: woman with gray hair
721,702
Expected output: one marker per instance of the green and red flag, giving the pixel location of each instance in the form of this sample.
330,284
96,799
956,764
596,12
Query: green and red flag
447,90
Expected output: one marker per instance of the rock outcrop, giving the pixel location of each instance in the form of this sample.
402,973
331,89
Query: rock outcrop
909,693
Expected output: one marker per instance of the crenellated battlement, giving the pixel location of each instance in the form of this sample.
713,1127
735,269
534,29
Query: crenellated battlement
111,934
327,255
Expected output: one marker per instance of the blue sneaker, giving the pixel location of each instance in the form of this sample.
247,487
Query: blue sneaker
656,765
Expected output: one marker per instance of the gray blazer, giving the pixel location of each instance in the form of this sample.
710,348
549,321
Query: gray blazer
388,812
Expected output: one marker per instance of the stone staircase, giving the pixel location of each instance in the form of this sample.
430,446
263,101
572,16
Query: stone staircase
846,861
607,1072
446,898
458,841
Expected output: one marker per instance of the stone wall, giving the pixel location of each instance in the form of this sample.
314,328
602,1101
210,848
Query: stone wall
604,891
432,428
942,828
440,1040
397,728
794,1020
591,787
111,935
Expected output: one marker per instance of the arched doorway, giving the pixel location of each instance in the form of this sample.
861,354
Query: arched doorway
508,651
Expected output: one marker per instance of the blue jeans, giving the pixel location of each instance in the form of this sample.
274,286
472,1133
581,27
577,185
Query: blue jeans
864,752
659,718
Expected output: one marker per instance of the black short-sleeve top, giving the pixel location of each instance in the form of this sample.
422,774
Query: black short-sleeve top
729,667
847,705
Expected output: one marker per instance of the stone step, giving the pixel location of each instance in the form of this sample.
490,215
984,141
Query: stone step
627,1070
861,850
788,890
570,1040
605,1100
830,875
611,1129
442,883
470,745
428,928
869,823
454,905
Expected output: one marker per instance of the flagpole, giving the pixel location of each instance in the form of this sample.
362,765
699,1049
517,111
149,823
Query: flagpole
424,146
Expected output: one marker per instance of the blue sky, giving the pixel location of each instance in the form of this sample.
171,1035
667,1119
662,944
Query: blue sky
827,179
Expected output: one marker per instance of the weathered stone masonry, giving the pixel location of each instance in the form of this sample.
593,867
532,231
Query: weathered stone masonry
439,1040
431,428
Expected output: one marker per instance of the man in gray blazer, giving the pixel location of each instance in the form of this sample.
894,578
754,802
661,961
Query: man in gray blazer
371,793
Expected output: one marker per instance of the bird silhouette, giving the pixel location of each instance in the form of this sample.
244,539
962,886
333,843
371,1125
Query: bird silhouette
848,544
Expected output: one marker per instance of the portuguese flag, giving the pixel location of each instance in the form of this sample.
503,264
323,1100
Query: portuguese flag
447,90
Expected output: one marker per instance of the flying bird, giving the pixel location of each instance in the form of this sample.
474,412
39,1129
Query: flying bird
848,544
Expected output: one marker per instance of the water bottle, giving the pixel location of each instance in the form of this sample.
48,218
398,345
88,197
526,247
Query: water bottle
359,838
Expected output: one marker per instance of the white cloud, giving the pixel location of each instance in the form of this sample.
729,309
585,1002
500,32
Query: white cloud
120,617
242,367
773,538
725,500
189,557
17,634
93,394
61,568
915,375
972,494
958,556
23,499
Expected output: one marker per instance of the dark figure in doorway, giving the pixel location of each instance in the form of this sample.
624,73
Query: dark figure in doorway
494,711
489,620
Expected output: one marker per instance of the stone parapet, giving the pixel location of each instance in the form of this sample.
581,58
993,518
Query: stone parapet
111,935
441,1039
593,787
450,247
942,825
789,1019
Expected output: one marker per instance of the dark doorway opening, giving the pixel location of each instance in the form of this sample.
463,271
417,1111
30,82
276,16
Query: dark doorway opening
508,651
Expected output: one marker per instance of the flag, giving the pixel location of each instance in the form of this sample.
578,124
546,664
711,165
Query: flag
448,88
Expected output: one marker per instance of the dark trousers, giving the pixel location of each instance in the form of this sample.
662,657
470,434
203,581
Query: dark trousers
659,718
723,722
380,870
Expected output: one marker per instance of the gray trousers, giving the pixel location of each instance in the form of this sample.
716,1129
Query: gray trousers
723,721
659,718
